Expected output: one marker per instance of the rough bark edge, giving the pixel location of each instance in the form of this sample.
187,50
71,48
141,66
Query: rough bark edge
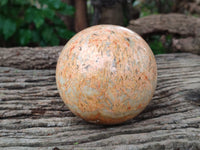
185,29
30,58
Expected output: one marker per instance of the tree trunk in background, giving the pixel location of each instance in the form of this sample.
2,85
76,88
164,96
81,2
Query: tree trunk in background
117,12
80,15
130,11
112,14
68,20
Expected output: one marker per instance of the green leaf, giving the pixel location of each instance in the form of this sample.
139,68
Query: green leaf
1,23
29,14
58,22
157,47
54,4
38,21
33,22
35,36
64,33
50,37
47,33
61,32
67,10
21,3
48,13
42,43
25,36
3,2
9,28
34,15
54,41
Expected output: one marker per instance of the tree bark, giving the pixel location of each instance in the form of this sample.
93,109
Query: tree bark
112,14
80,15
33,116
185,30
117,12
30,58
68,20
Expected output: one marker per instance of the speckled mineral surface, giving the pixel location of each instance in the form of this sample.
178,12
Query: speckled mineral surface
106,74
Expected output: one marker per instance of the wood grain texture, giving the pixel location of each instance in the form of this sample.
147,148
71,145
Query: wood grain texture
185,30
32,115
30,58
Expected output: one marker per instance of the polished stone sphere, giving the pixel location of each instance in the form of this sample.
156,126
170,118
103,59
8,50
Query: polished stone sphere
106,74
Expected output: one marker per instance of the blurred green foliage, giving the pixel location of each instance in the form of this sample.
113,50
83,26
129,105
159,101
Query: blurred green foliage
149,7
157,45
33,22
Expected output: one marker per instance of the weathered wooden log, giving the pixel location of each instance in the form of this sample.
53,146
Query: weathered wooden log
30,58
186,30
33,116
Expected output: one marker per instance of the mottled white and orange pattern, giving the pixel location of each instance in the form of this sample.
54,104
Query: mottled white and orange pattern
106,74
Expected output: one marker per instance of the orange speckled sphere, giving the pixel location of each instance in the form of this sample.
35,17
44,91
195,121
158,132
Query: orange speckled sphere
106,74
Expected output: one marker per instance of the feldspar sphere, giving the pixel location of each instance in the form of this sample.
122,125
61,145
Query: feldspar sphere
106,74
